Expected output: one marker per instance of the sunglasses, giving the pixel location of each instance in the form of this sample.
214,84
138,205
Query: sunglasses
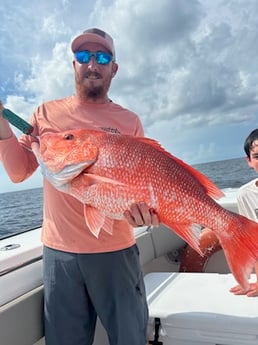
102,58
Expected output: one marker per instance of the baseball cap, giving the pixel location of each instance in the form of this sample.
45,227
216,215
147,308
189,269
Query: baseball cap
94,35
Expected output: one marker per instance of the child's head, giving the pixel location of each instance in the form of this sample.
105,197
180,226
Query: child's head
251,149
250,142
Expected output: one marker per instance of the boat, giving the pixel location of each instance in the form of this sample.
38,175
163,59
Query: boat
186,308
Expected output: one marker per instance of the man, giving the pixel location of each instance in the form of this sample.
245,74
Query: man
247,201
85,276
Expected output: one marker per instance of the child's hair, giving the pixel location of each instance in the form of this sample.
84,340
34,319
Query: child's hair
249,141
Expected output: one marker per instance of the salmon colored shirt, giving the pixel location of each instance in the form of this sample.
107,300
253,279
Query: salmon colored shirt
64,226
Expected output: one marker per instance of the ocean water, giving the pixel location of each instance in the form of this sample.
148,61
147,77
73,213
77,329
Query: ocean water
22,210
230,173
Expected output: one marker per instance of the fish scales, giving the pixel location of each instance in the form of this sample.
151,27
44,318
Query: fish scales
151,167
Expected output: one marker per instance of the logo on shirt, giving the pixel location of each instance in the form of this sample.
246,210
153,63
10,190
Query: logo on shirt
111,130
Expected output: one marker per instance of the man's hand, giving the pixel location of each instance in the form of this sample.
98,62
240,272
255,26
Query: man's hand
140,215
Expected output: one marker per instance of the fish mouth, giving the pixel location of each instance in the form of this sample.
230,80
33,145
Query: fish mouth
66,175
69,172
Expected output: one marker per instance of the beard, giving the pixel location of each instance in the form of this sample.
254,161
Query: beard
88,89
95,92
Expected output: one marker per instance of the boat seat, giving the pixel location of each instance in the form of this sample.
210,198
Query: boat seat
156,242
197,308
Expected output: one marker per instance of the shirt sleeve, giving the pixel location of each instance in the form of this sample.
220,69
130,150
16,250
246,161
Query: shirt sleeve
139,132
17,158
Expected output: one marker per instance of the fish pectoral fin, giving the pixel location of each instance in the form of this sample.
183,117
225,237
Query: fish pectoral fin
96,179
96,220
108,225
190,233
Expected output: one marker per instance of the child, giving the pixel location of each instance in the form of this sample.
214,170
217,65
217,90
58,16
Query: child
247,200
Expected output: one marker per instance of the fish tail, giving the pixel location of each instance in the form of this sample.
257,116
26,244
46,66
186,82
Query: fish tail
240,245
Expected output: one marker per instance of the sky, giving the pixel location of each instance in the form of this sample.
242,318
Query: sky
188,68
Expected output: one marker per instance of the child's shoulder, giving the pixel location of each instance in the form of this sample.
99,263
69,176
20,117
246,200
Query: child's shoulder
249,186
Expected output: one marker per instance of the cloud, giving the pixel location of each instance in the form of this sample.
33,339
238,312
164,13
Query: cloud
183,65
50,76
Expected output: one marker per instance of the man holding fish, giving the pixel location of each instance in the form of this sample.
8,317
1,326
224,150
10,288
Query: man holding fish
101,175
85,276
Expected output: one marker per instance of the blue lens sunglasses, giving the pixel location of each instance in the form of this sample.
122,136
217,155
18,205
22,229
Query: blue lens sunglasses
84,56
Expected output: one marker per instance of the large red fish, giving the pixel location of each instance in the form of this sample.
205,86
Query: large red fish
109,172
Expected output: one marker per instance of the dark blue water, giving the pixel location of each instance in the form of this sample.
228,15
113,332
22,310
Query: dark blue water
22,210
230,173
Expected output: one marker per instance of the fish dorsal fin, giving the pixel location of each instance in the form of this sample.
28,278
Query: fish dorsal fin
211,189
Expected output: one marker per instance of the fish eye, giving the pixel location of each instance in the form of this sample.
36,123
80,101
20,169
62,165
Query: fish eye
68,136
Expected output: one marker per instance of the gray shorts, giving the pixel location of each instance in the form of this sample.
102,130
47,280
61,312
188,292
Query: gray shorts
80,287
